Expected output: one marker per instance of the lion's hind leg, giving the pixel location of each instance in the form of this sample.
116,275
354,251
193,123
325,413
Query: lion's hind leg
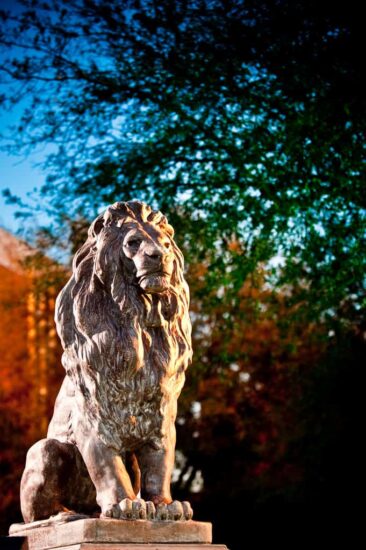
48,480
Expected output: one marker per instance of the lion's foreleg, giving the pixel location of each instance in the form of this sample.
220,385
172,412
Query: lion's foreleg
108,473
156,467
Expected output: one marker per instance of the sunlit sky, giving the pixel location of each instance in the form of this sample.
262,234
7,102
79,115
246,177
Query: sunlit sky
18,174
21,177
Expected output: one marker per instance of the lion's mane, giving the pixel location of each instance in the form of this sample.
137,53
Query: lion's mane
125,351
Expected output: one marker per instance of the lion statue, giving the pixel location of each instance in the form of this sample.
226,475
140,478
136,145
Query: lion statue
124,326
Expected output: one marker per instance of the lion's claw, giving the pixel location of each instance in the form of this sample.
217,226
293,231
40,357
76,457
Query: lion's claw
139,509
112,511
150,510
187,510
126,508
175,510
161,511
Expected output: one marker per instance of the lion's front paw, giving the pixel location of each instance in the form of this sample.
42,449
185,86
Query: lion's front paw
141,509
130,509
175,511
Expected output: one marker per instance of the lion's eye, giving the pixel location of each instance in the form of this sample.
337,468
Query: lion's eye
167,244
134,243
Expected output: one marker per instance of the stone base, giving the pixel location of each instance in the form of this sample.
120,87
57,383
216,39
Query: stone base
114,534
133,546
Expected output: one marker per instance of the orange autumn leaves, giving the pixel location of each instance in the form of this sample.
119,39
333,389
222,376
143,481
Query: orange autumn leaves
252,353
30,371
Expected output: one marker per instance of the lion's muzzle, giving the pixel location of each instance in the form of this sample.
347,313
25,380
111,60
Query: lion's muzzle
154,282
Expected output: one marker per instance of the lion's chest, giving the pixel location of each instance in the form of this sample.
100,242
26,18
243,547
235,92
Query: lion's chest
132,415
127,393
130,410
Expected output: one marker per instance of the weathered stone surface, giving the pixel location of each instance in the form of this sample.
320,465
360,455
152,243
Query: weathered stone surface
117,546
102,531
124,325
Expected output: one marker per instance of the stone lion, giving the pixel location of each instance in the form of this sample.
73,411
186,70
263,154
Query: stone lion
123,322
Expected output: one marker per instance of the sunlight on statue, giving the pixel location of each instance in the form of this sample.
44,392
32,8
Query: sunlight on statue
123,322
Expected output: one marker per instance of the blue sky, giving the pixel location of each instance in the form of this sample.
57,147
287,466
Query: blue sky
17,173
21,177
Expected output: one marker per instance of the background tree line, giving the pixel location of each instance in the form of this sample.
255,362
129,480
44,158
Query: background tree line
244,122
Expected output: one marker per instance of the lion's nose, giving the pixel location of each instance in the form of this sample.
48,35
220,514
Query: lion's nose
153,253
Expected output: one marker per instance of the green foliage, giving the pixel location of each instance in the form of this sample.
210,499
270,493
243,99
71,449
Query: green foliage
245,118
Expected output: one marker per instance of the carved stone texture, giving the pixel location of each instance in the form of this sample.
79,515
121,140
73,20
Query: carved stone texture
50,534
123,322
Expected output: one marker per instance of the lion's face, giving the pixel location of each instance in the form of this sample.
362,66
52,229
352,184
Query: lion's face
149,252
127,280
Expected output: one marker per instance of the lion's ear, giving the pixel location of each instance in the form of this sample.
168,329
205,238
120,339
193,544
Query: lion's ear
96,227
118,214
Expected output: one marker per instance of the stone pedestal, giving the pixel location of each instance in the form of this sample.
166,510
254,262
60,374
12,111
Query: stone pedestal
110,534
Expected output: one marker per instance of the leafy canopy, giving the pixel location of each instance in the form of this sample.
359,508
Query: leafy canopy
242,120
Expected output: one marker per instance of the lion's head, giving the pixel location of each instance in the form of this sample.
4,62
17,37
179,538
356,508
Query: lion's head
127,282
140,239
147,248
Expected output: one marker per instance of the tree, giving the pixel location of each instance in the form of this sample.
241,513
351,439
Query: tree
30,367
270,419
243,120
